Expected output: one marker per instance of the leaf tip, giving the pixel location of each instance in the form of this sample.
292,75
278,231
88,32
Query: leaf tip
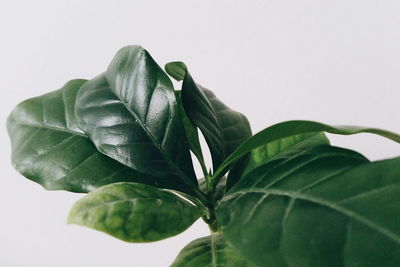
176,69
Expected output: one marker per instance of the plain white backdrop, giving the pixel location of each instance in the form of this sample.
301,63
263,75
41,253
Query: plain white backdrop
332,61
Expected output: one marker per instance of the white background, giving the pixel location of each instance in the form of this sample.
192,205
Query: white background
332,61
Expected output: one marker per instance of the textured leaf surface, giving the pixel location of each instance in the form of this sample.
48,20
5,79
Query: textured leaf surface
50,149
210,251
223,128
131,115
283,148
134,212
291,128
323,207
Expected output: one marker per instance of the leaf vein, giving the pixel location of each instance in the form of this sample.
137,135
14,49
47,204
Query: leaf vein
350,214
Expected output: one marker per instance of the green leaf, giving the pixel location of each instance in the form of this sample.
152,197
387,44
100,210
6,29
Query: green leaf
210,251
284,148
326,206
191,133
134,212
223,128
281,148
50,149
291,128
176,70
131,115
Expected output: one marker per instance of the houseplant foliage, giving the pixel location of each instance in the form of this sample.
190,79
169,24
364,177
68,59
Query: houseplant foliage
281,197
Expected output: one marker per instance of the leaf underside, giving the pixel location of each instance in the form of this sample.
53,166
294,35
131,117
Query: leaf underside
326,206
134,212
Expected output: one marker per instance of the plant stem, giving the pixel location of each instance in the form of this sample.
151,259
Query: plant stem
212,224
210,218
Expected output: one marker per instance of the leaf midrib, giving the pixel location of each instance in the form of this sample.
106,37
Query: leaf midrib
213,250
143,126
117,201
296,195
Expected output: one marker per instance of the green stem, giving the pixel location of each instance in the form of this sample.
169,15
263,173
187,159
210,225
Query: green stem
210,218
213,225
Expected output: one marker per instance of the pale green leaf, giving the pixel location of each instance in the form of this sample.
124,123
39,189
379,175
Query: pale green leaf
134,212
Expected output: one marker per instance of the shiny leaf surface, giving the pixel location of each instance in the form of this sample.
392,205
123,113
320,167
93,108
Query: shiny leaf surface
325,206
134,212
49,148
131,115
210,251
223,128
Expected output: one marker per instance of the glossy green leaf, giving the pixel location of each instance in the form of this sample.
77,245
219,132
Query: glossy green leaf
210,251
191,133
131,115
50,149
291,128
223,128
326,206
134,212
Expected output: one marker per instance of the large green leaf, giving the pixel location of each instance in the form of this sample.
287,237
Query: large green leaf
50,149
291,128
326,206
131,115
134,212
210,251
223,128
